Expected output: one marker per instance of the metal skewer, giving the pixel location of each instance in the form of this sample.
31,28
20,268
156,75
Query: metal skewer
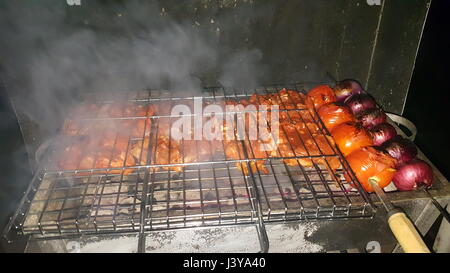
442,210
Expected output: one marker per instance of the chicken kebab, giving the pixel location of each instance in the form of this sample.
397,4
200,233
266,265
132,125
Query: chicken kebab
110,137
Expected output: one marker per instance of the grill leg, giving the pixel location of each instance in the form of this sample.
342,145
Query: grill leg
262,237
141,243
260,227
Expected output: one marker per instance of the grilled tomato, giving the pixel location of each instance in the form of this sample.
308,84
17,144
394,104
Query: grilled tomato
369,163
319,96
334,114
350,136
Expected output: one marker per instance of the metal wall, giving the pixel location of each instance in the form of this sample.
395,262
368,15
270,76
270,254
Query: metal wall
373,41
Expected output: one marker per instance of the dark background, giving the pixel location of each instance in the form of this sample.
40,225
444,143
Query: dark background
428,101
428,105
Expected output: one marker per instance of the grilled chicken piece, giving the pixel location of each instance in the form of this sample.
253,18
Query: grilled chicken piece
168,152
84,111
197,150
232,147
116,156
254,146
104,111
297,98
137,110
290,144
299,136
120,160
139,128
71,128
70,157
319,144
88,161
234,150
296,142
140,151
115,160
107,140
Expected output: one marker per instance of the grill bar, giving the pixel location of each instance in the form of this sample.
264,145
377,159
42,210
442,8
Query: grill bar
144,201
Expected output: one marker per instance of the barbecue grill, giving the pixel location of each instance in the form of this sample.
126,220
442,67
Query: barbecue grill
149,206
63,203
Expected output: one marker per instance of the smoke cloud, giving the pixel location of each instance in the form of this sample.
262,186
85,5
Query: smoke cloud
51,60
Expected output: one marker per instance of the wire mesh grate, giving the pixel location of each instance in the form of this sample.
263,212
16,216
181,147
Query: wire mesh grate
158,192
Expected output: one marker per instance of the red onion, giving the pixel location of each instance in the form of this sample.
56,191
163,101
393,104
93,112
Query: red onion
371,118
360,102
347,88
382,133
401,149
416,173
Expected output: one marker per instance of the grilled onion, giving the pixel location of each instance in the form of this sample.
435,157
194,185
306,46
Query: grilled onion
401,149
382,133
371,118
360,102
414,174
347,88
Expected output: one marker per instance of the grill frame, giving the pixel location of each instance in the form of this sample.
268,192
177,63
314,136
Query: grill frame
259,214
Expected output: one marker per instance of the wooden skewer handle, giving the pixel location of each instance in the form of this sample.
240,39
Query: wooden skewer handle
406,233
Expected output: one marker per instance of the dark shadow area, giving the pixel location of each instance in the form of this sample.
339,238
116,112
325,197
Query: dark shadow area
13,161
428,102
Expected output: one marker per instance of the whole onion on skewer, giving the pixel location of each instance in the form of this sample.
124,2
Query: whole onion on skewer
412,175
372,117
360,102
382,133
401,149
347,88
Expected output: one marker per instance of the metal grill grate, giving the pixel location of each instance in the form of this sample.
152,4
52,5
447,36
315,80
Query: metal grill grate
208,192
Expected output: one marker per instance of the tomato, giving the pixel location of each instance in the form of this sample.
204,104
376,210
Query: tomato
350,136
319,96
334,114
369,163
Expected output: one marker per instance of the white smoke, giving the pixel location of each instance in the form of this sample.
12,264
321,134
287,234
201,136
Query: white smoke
51,63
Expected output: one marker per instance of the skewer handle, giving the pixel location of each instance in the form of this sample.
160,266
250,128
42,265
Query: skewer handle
406,233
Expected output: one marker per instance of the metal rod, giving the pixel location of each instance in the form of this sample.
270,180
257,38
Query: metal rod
381,195
260,227
442,210
144,197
